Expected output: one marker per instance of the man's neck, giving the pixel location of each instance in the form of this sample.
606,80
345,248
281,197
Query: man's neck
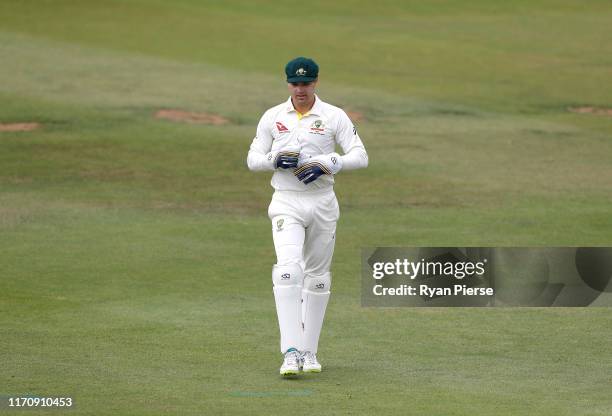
303,109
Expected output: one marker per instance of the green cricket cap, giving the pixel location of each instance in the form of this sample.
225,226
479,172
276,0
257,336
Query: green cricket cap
302,69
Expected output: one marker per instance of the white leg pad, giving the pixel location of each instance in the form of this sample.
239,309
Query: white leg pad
315,296
288,281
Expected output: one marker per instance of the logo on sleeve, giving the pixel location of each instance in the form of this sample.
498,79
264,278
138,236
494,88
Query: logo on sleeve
279,224
281,127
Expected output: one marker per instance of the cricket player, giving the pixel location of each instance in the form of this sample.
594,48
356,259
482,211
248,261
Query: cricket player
297,140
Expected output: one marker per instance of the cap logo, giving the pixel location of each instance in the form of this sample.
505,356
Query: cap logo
300,72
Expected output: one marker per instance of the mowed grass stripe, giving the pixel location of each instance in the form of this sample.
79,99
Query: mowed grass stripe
517,57
438,145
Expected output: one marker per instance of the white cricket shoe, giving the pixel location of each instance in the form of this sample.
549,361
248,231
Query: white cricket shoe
310,363
291,364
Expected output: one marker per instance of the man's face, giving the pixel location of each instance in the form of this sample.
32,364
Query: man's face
302,93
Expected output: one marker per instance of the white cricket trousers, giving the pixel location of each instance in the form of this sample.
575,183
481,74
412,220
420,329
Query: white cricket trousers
304,233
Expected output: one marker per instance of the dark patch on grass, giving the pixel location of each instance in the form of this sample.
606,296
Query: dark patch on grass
548,133
452,112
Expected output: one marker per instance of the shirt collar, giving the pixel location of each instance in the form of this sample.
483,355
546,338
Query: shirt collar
315,110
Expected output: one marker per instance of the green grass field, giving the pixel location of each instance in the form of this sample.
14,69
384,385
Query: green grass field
135,253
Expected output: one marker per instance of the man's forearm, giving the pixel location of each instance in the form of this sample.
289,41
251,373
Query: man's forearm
357,158
260,161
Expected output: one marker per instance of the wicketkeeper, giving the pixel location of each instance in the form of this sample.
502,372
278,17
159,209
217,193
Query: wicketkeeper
297,140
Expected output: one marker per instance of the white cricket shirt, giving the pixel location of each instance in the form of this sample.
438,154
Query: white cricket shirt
316,132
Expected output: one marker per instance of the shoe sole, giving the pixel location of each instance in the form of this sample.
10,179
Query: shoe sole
312,370
290,373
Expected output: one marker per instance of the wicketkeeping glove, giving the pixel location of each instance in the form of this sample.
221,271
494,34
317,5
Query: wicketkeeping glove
287,151
286,159
316,166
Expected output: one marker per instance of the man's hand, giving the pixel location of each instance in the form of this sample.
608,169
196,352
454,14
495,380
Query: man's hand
286,160
316,166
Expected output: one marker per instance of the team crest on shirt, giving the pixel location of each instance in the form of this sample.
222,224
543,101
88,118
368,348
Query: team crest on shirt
317,127
279,224
281,127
